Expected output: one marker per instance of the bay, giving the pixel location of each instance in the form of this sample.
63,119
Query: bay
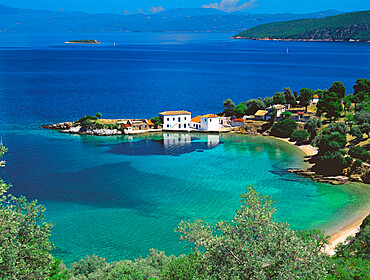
117,197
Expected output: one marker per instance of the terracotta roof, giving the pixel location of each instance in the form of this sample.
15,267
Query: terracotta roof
169,113
196,119
149,122
261,113
210,116
237,120
316,96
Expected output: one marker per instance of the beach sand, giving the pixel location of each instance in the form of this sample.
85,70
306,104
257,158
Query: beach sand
341,235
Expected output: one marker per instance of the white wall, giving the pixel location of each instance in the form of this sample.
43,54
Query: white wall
210,124
176,122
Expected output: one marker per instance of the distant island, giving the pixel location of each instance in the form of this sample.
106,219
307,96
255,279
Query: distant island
346,27
83,42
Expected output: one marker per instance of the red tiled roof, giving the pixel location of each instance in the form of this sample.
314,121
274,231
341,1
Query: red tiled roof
238,120
196,119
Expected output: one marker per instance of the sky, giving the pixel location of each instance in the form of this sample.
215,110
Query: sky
153,6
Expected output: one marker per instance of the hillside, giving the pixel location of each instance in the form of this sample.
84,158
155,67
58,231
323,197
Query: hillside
182,20
345,27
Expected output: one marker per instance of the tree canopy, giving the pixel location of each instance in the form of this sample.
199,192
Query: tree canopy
254,245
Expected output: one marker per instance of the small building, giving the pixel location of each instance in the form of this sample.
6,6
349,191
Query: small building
150,124
209,122
224,121
138,124
315,99
279,109
237,122
176,120
261,115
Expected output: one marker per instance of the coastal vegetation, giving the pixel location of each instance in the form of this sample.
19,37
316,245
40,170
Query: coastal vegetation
338,125
253,245
350,26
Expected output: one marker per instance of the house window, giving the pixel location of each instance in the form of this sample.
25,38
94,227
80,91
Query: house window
173,118
168,119
168,125
184,125
185,118
179,119
210,120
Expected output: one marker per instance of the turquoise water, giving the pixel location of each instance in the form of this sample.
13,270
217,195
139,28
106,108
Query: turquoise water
117,197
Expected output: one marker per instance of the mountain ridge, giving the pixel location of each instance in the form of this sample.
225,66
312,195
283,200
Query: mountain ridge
174,20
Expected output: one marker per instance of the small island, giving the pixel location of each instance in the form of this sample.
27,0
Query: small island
83,42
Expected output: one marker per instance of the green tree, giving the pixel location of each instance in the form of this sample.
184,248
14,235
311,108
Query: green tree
330,105
320,93
289,96
157,121
338,88
361,90
279,98
305,97
286,115
284,129
347,103
58,271
273,113
24,237
99,115
312,125
241,110
229,104
356,132
362,117
268,101
331,158
299,136
254,245
254,105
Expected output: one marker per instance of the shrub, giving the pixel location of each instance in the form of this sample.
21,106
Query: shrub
284,128
359,152
286,115
299,135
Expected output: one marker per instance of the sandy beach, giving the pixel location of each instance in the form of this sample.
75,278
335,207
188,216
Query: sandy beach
341,235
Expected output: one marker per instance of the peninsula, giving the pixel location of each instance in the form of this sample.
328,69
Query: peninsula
83,42
346,27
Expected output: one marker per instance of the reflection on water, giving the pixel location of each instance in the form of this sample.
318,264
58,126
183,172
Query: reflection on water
173,144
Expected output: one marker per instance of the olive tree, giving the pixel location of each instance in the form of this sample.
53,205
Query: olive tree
24,237
254,245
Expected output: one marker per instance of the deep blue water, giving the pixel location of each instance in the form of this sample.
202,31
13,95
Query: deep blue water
118,197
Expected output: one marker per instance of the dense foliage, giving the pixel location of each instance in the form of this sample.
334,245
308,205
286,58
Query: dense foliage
24,237
341,27
284,128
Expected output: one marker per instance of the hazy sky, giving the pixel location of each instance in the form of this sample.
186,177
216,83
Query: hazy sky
255,6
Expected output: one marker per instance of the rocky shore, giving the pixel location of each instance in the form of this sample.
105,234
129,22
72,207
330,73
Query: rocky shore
333,180
76,128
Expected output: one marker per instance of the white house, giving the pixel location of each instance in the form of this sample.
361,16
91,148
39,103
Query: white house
209,122
315,99
176,120
280,109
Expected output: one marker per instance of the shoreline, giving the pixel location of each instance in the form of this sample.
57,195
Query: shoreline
297,40
338,234
349,228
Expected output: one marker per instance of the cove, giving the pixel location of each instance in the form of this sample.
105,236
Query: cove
116,197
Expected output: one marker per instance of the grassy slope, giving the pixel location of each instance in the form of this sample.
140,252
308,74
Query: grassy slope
296,28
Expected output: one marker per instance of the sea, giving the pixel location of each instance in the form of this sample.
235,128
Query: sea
119,196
